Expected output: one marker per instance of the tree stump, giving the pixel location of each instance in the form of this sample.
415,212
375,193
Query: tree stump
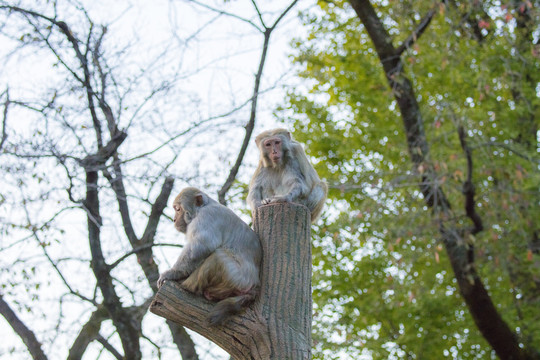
277,325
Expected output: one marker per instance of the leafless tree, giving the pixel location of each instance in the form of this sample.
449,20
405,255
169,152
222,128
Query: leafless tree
99,139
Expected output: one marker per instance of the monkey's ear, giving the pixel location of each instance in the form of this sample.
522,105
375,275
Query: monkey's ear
199,201
288,134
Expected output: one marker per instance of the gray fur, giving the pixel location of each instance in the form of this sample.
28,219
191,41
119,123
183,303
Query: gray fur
222,255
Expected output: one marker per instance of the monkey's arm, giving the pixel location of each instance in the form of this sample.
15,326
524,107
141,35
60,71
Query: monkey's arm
255,195
294,193
195,252
293,185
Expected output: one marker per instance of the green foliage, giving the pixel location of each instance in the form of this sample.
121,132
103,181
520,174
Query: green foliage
383,285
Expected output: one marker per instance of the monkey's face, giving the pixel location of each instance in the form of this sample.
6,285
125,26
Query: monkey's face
179,219
272,148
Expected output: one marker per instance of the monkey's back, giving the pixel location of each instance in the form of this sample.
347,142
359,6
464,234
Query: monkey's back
236,235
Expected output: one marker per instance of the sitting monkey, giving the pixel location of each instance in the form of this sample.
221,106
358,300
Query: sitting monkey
222,255
284,174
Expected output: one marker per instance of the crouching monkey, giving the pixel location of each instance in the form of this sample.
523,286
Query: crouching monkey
284,174
221,258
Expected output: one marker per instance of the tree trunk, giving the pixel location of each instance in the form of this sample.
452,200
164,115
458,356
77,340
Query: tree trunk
461,254
277,325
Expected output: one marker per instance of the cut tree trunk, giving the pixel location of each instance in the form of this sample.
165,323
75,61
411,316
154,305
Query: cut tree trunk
277,325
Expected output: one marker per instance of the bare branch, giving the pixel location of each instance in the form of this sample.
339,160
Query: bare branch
185,132
280,17
222,12
104,153
157,210
258,13
249,126
144,253
27,335
4,120
64,28
88,333
509,148
42,245
120,317
139,249
117,184
253,114
107,345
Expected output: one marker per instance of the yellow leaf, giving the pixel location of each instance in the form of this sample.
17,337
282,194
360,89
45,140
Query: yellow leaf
444,63
442,8
458,175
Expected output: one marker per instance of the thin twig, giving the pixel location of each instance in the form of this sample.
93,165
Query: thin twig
424,23
4,120
222,12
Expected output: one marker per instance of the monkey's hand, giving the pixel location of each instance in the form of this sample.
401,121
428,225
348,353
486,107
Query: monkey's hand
276,199
169,275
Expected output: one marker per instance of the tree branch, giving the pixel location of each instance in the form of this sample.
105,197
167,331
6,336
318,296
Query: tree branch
422,26
129,334
87,56
137,250
107,345
253,114
157,210
117,184
222,12
88,333
143,247
522,155
249,126
280,17
409,108
4,120
27,336
97,160
468,186
258,13
64,28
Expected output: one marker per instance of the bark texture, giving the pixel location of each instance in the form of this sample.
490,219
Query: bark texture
277,325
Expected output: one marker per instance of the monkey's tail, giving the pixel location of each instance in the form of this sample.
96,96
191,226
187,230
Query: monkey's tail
230,306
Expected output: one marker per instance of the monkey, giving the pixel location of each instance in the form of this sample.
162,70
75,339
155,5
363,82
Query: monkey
284,174
222,256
